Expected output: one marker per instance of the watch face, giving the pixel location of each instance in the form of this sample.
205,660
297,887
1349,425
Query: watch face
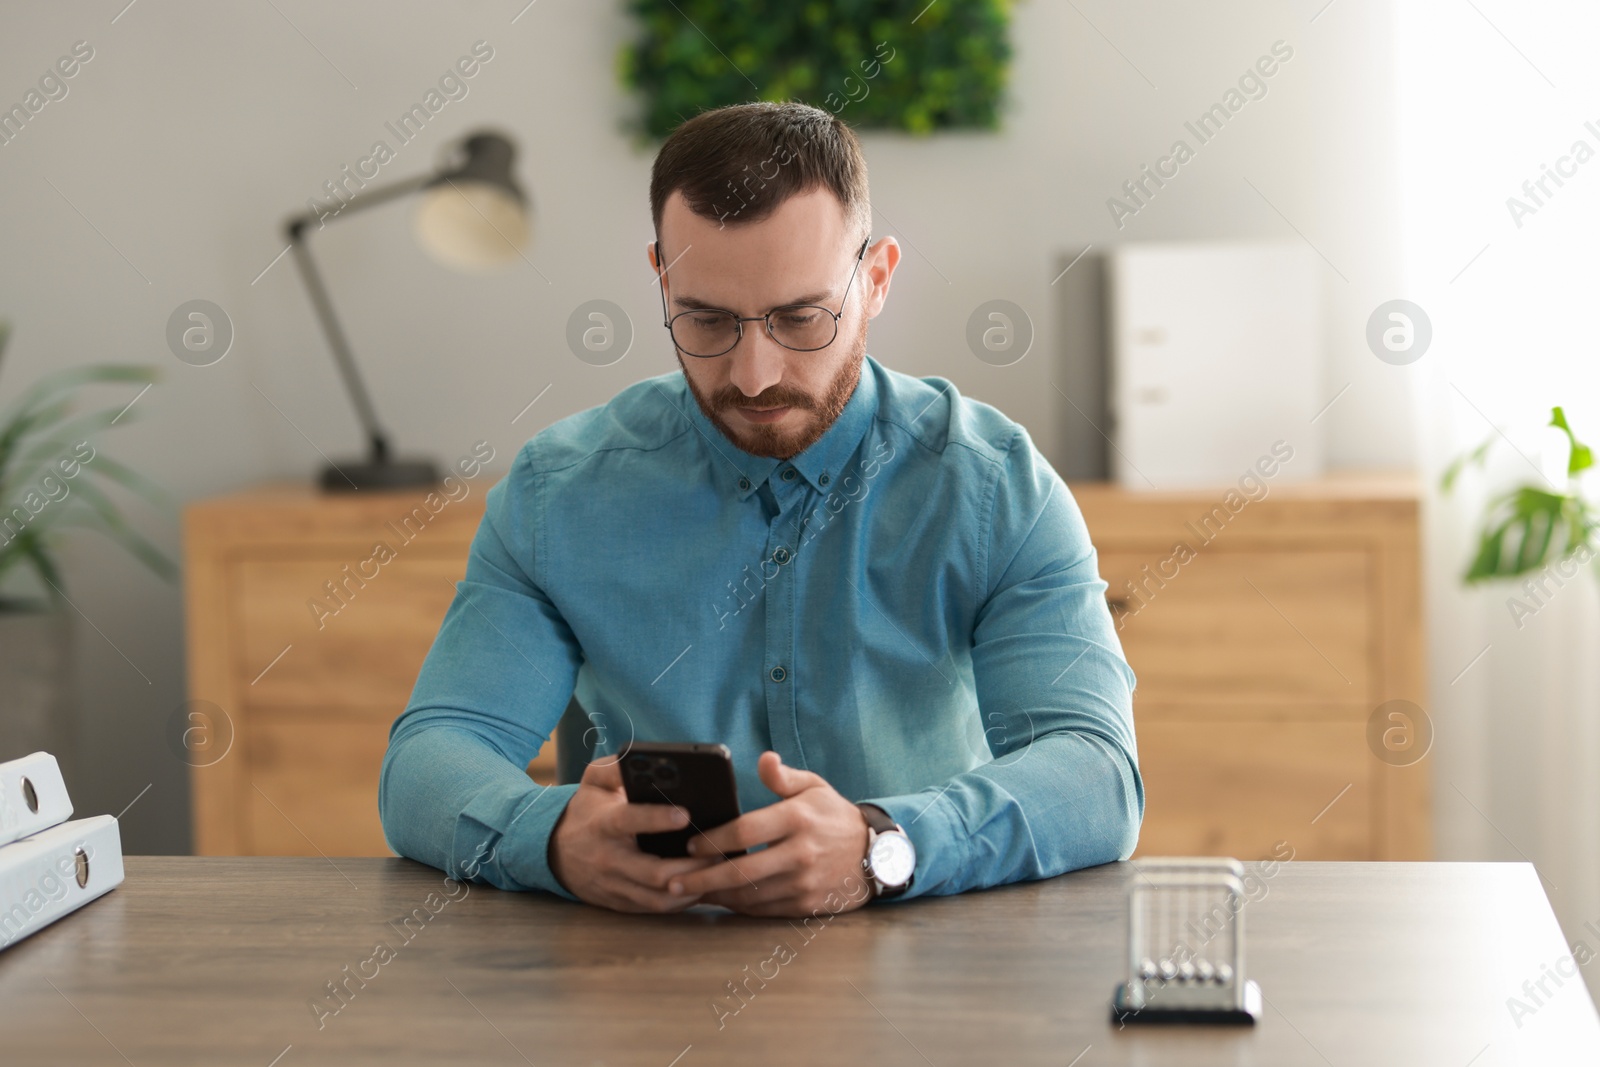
893,859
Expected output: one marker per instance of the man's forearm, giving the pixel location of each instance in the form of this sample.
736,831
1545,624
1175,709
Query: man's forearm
449,799
1066,801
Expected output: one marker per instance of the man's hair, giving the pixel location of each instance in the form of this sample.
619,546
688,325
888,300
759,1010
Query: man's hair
737,164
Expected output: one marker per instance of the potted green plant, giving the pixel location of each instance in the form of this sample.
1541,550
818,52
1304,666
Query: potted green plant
1523,734
49,482
1532,526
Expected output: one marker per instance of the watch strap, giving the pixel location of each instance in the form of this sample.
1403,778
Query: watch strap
877,818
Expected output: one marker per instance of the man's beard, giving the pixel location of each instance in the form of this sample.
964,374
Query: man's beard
761,440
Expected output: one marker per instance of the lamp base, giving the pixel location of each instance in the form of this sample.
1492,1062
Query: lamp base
395,474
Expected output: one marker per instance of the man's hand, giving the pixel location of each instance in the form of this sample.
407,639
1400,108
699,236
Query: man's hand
593,852
815,840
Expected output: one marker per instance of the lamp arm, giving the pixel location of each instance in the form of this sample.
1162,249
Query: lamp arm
362,200
295,230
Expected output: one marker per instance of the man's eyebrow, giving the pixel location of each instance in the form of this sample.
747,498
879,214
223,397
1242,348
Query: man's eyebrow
691,303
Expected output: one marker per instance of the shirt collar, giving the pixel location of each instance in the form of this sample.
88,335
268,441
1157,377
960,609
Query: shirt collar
822,463
742,473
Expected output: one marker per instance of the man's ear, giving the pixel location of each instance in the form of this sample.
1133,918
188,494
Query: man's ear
650,256
881,259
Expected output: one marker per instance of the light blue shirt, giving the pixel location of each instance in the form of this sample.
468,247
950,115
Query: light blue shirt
911,608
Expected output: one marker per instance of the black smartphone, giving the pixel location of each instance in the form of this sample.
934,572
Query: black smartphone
695,777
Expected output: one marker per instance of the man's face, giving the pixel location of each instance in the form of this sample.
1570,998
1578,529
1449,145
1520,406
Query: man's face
767,399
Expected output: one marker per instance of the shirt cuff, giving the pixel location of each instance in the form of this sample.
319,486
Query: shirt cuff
520,854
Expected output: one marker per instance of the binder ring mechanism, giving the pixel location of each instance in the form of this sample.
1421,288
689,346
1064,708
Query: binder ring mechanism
1186,945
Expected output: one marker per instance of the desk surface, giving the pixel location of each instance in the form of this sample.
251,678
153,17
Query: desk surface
218,961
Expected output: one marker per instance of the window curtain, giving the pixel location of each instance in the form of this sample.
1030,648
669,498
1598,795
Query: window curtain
1500,169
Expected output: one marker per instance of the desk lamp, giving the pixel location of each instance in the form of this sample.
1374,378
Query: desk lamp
473,217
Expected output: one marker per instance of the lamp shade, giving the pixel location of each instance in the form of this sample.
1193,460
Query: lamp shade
474,216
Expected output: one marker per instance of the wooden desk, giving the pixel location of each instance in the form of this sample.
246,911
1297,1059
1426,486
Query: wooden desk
200,960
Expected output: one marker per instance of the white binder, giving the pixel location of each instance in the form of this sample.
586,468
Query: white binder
1217,355
32,796
56,871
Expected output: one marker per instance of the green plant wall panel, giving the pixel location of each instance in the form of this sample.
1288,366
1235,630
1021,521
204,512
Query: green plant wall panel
886,64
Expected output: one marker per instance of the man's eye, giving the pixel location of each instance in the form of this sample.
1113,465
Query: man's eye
708,322
797,318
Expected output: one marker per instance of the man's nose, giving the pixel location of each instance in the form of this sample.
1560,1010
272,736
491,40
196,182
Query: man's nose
757,360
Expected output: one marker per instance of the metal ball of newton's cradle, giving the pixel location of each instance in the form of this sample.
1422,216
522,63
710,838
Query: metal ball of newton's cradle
1204,971
1167,970
1186,971
1224,974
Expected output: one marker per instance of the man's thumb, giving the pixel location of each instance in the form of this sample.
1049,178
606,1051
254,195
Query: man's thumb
603,773
781,779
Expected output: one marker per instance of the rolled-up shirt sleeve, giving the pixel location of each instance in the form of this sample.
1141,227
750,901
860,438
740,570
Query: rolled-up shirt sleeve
1055,695
454,790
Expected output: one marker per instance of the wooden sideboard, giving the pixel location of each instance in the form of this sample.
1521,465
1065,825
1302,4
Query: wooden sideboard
309,646
1259,662
1266,656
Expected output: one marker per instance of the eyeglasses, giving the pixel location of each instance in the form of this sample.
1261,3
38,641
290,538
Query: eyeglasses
709,332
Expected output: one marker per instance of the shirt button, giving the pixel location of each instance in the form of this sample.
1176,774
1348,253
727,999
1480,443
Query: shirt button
824,478
781,556
744,484
788,475
779,674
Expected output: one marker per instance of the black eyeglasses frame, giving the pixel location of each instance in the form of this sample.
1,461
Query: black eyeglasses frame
740,320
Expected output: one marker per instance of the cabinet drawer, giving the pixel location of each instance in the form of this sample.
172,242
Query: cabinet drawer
1238,788
312,786
1230,629
361,656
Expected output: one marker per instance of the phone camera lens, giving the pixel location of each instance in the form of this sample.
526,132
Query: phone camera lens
665,774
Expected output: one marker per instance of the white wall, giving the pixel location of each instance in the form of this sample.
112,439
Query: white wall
198,127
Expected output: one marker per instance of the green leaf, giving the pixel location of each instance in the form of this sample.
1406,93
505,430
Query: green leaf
27,422
67,435
40,427
46,402
129,479
1476,457
1486,564
1540,524
1582,456
74,378
110,522
1520,529
30,546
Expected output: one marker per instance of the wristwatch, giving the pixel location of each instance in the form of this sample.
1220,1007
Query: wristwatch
891,859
